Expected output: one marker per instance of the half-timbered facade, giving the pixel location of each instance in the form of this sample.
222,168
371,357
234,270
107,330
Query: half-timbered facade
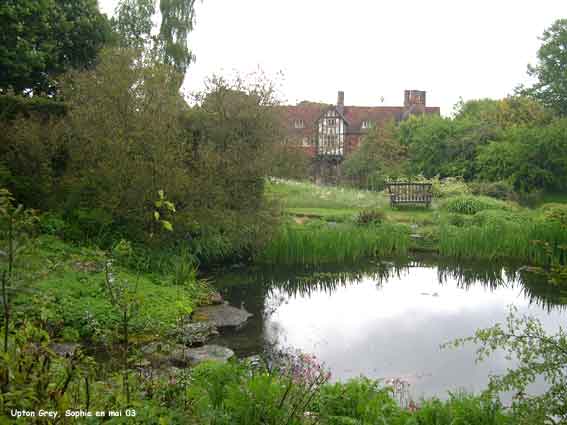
334,131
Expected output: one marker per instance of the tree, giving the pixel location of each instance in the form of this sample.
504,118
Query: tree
42,39
122,144
529,157
551,69
512,111
177,20
443,146
380,154
134,23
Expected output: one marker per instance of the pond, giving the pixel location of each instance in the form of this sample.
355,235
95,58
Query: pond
387,319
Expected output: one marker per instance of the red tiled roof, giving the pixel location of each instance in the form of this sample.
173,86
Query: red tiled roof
310,112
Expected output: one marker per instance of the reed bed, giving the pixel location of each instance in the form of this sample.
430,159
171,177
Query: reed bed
535,242
335,244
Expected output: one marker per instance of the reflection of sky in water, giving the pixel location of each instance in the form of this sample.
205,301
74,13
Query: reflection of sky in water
395,329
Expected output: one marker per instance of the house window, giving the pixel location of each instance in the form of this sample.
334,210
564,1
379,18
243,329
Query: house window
299,124
366,124
305,142
331,121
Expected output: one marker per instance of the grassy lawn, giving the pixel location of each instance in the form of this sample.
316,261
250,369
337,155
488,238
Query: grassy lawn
303,199
306,195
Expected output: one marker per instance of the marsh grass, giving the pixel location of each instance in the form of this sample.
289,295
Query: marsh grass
343,243
505,240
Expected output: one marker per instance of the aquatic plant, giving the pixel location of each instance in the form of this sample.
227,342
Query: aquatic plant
506,240
335,244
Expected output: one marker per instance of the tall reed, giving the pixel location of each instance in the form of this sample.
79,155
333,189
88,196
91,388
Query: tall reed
506,240
335,244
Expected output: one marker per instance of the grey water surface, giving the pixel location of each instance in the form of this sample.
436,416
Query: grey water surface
387,319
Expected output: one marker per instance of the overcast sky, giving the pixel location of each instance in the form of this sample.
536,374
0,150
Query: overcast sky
372,49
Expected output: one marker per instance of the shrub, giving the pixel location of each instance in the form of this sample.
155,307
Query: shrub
370,216
450,186
52,224
472,204
12,106
499,189
555,212
70,335
486,217
458,220
462,409
528,199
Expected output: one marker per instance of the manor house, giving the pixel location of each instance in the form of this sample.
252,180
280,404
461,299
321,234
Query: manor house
334,131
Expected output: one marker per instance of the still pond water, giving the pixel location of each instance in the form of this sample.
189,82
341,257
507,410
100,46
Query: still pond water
387,319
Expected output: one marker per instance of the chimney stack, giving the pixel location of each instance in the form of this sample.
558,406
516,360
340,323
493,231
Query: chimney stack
414,97
341,101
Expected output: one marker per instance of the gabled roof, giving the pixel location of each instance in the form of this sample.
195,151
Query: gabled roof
311,112
332,108
378,115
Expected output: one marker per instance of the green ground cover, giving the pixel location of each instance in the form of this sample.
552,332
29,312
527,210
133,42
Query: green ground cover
458,224
63,286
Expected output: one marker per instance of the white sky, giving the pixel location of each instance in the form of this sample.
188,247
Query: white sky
371,48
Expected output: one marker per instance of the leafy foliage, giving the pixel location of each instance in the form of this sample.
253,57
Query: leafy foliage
511,111
551,69
43,39
289,162
443,146
134,22
12,107
537,354
530,158
177,20
380,155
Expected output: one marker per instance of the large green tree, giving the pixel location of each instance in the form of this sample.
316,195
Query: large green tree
512,111
551,69
177,19
530,158
380,155
134,20
443,146
133,23
40,39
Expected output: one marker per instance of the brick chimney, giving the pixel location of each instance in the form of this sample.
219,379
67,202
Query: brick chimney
341,102
414,101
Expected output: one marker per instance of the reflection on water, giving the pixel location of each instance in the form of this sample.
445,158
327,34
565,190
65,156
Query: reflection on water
387,319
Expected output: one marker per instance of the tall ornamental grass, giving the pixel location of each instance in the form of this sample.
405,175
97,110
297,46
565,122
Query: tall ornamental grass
335,244
467,204
506,240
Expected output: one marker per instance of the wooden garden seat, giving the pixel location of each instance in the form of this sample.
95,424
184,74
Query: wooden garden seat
410,193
